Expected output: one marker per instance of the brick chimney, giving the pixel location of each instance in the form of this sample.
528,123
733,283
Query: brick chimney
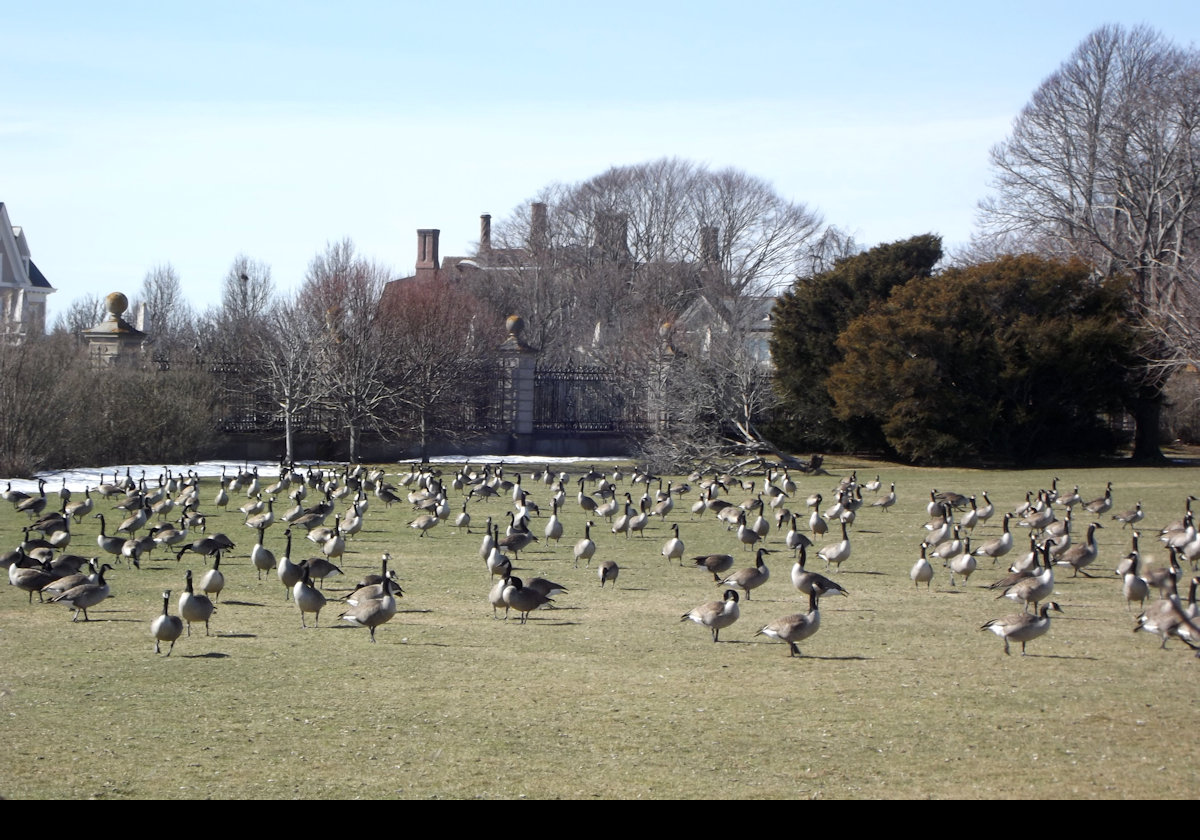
539,228
710,248
485,234
427,254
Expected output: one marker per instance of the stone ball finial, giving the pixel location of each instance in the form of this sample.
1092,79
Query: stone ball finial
116,304
515,325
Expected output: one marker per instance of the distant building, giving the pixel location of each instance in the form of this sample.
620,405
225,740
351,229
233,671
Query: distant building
23,288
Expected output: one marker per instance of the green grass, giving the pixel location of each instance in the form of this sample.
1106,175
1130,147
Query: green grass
610,695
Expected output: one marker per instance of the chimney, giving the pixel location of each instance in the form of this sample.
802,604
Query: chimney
539,228
427,254
485,234
612,236
710,248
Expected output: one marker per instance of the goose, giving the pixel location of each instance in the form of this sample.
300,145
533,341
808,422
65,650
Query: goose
289,573
523,599
554,526
373,612
488,543
1130,517
797,627
608,570
463,520
807,581
78,510
1001,545
109,545
746,535
1080,556
372,579
262,557
673,548
637,523
922,571
887,501
1101,505
30,579
496,560
1022,627
264,519
963,564
335,545
794,539
585,548
71,580
585,501
321,568
665,506
308,599
193,607
166,627
545,587
424,522
213,581
608,508
971,518
1133,587
34,505
751,578
718,564
716,615
374,591
85,595
135,521
988,509
496,595
1034,589
1167,617
836,553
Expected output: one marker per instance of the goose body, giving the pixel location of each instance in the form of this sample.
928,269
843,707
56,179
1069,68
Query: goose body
523,599
585,548
1000,546
608,570
193,607
166,627
808,582
795,628
308,599
716,615
213,581
751,578
86,595
1022,627
673,548
374,612
922,571
836,553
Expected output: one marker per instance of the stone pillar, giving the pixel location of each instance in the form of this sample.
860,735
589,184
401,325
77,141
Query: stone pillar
519,361
114,339
658,408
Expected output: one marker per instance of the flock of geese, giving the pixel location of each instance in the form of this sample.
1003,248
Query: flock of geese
329,507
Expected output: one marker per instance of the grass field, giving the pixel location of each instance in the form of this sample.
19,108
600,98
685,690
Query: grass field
610,695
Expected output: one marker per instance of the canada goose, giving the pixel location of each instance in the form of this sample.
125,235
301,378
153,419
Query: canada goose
1101,505
261,556
664,507
585,501
289,573
1034,589
78,510
545,587
424,522
1001,545
307,598
373,612
836,553
496,595
1080,556
1022,627
30,579
797,627
264,519
1133,587
222,499
134,522
637,523
71,579
987,510
585,548
716,615
746,535
718,564
110,545
608,570
887,501
807,581
751,578
321,568
85,595
962,564
193,607
794,539
335,545
1167,617
166,627
517,541
34,505
922,571
673,548
523,599
1130,517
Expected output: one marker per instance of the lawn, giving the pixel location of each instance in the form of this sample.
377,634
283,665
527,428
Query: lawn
609,694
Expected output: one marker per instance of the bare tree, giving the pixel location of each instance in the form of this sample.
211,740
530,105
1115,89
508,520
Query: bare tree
169,315
287,351
84,313
1104,163
341,300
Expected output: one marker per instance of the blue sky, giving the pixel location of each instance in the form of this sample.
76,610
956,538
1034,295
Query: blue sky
135,134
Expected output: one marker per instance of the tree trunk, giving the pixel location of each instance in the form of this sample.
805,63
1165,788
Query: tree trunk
1147,414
